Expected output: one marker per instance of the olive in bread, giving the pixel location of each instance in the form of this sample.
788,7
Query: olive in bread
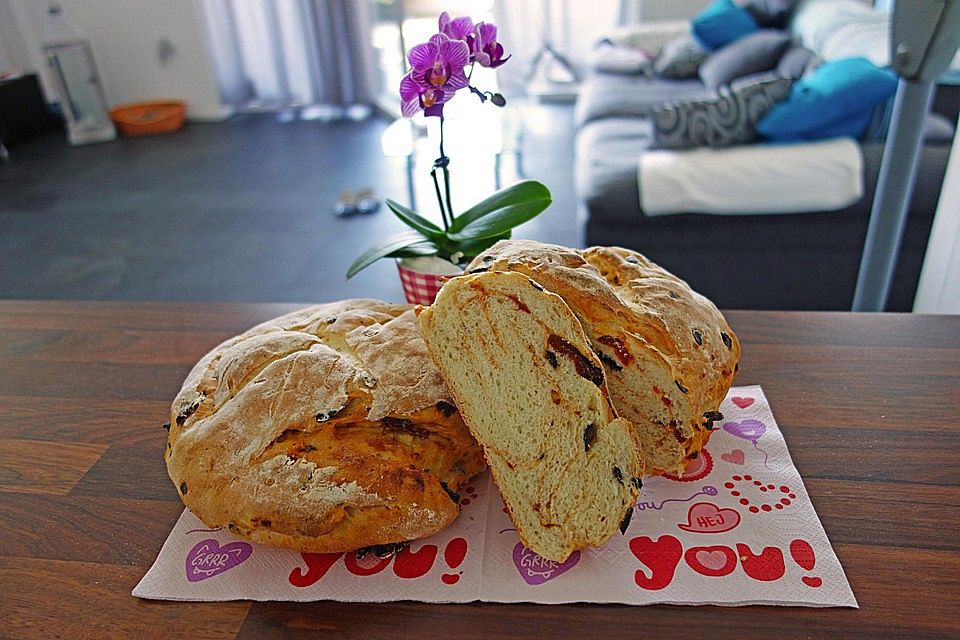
668,353
533,394
325,430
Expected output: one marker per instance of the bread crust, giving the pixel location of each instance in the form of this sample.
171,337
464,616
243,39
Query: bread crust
640,319
325,430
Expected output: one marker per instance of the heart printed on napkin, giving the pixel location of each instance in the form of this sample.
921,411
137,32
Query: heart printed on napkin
207,558
712,559
742,402
713,562
536,570
734,457
706,517
697,469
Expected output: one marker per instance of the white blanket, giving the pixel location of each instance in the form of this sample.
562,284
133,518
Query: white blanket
752,179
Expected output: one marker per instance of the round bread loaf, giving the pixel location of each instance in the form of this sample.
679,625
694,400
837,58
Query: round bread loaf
668,354
325,430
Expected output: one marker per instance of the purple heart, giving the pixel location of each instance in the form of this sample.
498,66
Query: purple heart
536,570
751,430
208,558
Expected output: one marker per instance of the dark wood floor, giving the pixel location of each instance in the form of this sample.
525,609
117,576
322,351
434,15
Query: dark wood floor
234,211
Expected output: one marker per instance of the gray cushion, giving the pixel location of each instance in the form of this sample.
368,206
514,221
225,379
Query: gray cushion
759,51
938,130
612,95
796,61
680,58
727,120
770,13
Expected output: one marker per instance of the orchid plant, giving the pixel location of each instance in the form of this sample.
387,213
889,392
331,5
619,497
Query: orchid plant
439,68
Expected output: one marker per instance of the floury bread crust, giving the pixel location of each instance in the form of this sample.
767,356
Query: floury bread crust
668,353
534,396
325,430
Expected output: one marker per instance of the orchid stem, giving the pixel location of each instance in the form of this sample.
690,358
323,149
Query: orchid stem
446,185
436,187
442,154
443,162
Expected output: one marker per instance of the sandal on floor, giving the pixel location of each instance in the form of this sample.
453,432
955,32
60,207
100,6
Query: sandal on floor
367,202
346,205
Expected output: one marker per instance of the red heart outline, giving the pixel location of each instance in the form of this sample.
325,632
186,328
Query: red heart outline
720,520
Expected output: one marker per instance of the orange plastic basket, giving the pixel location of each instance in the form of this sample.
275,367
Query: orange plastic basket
148,118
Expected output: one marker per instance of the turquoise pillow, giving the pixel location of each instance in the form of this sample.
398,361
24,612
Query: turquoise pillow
837,99
721,23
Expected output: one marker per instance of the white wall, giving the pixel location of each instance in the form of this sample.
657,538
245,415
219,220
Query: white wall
5,60
9,38
126,35
651,10
939,288
16,35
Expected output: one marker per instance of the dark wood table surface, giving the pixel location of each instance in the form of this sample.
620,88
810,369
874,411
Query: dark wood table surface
869,405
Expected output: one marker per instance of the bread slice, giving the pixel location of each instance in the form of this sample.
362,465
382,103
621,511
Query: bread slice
669,355
534,396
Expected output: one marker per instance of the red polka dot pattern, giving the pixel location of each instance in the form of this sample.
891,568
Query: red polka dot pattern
761,488
471,495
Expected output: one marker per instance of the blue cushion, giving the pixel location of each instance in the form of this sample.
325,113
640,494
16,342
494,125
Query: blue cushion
835,100
721,23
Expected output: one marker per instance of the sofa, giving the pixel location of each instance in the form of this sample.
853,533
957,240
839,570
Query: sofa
794,259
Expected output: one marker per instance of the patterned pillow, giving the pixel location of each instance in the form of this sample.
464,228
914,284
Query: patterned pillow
680,58
727,120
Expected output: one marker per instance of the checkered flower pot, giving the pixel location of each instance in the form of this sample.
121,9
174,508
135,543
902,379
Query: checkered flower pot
420,281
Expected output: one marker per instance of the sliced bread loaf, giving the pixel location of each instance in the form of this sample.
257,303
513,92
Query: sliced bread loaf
669,355
533,394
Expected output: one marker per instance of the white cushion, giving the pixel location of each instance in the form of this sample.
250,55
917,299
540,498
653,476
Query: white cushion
752,179
835,29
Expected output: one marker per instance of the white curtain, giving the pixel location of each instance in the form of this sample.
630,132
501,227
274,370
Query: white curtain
289,53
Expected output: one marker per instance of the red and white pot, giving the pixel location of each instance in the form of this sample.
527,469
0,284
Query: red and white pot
422,277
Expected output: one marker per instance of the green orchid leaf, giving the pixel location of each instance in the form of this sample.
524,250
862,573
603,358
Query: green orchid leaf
415,251
384,248
500,221
414,220
527,191
472,248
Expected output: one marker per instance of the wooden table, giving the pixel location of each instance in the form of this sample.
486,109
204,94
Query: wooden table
869,405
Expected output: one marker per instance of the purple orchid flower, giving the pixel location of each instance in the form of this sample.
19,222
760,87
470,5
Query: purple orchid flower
486,50
437,73
456,28
414,96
